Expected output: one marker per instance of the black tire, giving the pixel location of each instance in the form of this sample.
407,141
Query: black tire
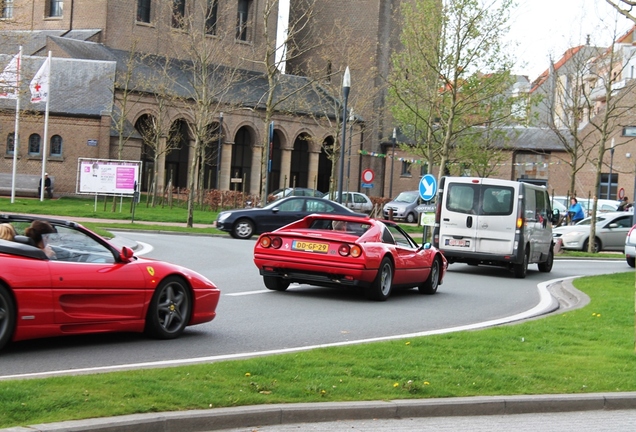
597,245
410,218
546,266
170,309
521,269
380,290
429,286
243,229
275,283
630,262
7,316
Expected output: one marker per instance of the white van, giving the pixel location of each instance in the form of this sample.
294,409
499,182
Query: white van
494,222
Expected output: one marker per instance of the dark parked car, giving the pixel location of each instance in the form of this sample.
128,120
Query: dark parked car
244,223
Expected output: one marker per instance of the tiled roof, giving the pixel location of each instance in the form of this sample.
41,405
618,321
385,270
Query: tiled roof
78,87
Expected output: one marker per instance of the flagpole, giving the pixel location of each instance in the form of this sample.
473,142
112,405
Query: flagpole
16,140
46,131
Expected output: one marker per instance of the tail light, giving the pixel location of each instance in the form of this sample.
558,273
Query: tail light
273,242
265,242
277,242
350,250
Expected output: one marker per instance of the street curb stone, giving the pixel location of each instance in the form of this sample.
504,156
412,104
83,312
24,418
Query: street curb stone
271,415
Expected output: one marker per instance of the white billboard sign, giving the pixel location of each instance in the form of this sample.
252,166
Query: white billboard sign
107,177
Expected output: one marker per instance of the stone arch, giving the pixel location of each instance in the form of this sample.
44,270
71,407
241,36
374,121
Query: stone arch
242,155
144,125
325,164
177,156
299,171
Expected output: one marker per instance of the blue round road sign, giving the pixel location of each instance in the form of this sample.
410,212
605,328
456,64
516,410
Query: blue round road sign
428,187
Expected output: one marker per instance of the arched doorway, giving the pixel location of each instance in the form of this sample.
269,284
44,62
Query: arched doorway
211,159
241,161
324,165
177,155
145,125
300,163
276,157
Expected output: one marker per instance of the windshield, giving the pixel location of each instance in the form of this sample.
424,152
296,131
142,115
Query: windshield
407,197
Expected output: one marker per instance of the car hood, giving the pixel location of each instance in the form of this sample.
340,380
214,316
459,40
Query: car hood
571,228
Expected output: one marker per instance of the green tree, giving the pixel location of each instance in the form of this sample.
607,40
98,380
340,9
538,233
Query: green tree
452,74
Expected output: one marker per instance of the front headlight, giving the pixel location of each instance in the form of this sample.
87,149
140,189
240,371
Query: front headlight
223,216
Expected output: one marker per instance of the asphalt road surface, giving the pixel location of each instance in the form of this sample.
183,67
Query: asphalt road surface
252,320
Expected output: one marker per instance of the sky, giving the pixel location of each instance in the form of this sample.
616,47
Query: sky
544,28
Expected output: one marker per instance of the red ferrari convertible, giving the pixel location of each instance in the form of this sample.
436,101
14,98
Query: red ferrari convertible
87,285
335,251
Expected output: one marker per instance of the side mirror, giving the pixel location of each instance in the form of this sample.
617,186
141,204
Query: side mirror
126,254
556,215
426,246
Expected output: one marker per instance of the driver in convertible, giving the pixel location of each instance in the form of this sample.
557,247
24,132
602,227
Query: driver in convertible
37,231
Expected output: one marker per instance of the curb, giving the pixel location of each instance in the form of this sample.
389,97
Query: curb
271,415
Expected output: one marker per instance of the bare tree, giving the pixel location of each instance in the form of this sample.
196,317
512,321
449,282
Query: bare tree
562,94
208,79
608,103
294,44
620,5
342,47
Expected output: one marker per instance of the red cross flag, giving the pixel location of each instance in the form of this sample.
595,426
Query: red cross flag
40,83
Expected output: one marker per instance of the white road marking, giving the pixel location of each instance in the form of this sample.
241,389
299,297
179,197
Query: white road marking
542,307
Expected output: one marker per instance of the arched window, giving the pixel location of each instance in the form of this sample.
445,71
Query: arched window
34,145
56,145
10,143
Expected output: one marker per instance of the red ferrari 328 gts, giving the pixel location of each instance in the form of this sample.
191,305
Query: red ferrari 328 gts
334,251
90,286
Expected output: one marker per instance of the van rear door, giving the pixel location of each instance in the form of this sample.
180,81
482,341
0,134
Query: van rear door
478,216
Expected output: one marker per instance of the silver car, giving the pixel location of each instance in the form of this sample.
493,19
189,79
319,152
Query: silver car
611,230
356,201
630,246
403,206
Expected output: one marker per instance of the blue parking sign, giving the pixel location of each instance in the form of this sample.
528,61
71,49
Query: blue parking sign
428,187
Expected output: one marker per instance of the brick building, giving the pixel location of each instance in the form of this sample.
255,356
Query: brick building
120,36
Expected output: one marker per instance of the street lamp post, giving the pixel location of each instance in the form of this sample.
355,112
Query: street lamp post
346,86
609,180
218,153
393,141
351,120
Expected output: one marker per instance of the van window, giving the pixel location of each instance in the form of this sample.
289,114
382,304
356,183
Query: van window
465,198
462,198
496,201
542,206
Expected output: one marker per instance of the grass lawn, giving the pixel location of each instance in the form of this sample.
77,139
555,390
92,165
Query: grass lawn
581,351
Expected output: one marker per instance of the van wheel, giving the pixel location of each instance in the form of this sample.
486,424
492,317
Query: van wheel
521,270
546,266
410,218
381,287
631,261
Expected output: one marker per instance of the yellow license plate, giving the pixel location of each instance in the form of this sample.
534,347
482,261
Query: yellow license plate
310,246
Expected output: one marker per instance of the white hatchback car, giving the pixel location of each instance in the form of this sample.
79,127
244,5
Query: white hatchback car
611,230
356,201
630,247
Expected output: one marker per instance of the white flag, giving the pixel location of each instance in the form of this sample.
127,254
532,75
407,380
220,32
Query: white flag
40,83
10,79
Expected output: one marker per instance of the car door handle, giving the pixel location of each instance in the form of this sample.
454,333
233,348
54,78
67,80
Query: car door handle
469,222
